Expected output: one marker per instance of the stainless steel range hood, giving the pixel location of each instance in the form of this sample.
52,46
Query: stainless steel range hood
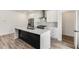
43,15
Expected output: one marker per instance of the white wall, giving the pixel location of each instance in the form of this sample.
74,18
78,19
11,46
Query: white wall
10,19
59,17
68,23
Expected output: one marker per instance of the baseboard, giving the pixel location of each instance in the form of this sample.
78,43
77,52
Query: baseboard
5,35
71,37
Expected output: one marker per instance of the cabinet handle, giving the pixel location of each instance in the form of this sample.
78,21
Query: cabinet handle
76,31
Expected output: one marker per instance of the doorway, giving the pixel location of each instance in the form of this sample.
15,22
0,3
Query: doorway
68,26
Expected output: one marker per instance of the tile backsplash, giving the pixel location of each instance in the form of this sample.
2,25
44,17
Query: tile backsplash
48,24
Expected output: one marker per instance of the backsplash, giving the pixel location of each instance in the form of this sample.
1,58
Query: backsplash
48,24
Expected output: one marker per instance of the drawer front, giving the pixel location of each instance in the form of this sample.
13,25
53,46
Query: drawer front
30,38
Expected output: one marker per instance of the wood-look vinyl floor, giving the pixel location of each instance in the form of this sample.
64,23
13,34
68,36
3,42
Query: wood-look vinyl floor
69,41
9,42
55,44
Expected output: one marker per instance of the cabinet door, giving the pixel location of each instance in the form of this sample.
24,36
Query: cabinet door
35,40
30,38
54,33
51,16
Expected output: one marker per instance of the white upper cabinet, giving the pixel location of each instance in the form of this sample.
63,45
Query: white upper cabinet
51,16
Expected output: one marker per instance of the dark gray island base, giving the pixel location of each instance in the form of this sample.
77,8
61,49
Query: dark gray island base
30,38
37,38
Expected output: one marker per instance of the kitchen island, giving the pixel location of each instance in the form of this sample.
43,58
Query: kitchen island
38,38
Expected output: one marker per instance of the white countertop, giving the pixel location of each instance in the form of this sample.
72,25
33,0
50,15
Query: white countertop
36,30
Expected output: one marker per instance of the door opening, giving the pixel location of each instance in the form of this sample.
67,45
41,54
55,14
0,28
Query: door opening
68,18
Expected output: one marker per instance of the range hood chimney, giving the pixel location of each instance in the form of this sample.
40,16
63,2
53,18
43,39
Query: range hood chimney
43,15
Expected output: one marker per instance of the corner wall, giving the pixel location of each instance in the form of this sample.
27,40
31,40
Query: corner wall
10,19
